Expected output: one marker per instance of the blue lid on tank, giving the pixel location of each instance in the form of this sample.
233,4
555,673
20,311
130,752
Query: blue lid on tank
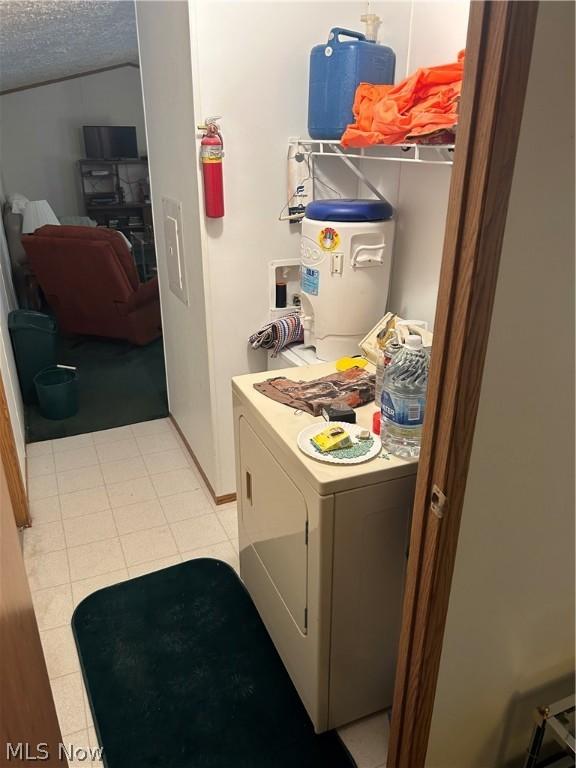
349,210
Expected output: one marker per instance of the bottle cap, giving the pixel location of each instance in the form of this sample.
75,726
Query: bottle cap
413,341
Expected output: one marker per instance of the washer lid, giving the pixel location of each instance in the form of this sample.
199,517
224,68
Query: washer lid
349,210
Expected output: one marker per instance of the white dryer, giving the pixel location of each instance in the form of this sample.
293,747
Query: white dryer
322,553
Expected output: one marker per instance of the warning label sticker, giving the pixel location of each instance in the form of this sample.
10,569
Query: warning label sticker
309,280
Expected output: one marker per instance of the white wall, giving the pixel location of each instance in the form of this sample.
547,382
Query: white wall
170,123
41,132
509,640
257,79
437,32
251,67
7,364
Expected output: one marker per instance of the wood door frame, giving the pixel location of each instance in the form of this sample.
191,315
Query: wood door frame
28,719
9,457
499,47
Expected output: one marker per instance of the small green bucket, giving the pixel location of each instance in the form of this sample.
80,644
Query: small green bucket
57,390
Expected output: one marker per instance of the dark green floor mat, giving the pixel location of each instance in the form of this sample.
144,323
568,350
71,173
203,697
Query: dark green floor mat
119,383
181,673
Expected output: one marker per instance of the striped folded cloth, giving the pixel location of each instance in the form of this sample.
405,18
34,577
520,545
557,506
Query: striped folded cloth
278,334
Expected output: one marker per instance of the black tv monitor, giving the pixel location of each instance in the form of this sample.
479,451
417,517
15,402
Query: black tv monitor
110,142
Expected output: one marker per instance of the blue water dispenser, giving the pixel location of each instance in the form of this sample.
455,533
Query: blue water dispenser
336,70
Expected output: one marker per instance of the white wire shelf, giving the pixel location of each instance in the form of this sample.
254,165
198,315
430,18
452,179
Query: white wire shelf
426,154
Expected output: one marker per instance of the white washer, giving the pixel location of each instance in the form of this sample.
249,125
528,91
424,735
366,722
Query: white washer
346,258
293,356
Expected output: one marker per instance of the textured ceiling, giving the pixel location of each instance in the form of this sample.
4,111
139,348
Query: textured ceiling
45,39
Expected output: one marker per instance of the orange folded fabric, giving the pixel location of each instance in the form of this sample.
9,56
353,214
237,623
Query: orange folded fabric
422,106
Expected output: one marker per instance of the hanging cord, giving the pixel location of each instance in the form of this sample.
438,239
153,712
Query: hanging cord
306,159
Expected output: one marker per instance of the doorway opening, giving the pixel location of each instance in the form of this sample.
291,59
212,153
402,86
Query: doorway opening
78,252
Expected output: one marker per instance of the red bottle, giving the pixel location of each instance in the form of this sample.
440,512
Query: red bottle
211,153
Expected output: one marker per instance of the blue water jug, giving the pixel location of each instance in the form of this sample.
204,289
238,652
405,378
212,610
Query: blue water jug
336,70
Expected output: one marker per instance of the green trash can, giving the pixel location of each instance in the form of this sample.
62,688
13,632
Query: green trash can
57,390
33,337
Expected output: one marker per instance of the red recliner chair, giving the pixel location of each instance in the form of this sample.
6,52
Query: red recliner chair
90,281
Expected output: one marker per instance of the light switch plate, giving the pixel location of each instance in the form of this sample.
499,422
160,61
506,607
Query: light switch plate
173,241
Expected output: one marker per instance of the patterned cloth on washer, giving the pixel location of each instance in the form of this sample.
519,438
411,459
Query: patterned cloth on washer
278,334
353,387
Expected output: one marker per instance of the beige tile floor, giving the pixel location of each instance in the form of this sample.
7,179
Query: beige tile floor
112,505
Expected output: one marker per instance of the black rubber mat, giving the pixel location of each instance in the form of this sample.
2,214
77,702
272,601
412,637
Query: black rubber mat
181,673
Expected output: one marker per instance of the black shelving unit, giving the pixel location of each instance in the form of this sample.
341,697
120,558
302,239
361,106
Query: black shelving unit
116,194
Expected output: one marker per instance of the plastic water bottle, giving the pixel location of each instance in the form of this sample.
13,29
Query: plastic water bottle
384,357
380,368
403,400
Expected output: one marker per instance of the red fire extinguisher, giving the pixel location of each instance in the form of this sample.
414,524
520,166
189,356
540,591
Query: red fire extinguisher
211,153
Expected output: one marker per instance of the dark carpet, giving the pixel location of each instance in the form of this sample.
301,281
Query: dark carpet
119,384
181,673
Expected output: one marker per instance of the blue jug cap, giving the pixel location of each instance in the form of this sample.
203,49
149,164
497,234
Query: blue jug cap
349,210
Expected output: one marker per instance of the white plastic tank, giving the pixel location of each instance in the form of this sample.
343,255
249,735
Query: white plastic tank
345,262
